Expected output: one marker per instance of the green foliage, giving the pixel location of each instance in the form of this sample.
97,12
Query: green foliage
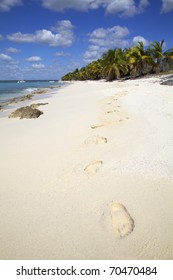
158,55
133,62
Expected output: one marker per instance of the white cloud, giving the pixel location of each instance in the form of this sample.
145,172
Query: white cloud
73,65
93,53
13,50
38,66
34,58
60,6
9,70
61,53
13,69
137,39
6,5
63,25
102,39
167,6
60,35
127,8
123,7
110,37
1,37
5,57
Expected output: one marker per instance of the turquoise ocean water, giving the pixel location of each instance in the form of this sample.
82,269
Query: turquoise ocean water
13,89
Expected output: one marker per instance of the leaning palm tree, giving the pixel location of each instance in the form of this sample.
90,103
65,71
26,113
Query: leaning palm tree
110,70
139,60
157,53
114,64
121,61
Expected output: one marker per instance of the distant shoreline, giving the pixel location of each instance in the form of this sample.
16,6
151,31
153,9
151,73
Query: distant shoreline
167,79
27,97
29,81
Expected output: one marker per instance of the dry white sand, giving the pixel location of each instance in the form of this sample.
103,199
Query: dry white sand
92,178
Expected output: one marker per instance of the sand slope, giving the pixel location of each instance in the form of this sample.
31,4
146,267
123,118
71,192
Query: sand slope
92,177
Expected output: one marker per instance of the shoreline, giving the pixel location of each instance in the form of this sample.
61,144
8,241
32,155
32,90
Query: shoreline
99,152
24,100
167,79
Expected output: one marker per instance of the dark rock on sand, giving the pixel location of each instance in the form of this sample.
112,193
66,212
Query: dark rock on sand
26,112
34,106
168,82
21,98
41,91
2,105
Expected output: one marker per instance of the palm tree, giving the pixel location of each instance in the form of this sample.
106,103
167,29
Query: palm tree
67,77
121,61
156,51
118,62
139,60
114,64
83,74
94,70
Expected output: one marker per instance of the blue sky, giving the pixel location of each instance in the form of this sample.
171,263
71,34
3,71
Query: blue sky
44,39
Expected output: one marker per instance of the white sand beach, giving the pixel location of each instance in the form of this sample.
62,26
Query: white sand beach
91,178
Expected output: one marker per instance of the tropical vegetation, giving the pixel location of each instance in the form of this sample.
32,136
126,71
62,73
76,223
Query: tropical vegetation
121,63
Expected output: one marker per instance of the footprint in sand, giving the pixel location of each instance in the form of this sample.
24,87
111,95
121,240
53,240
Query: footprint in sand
96,140
93,167
122,222
121,120
111,111
94,126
